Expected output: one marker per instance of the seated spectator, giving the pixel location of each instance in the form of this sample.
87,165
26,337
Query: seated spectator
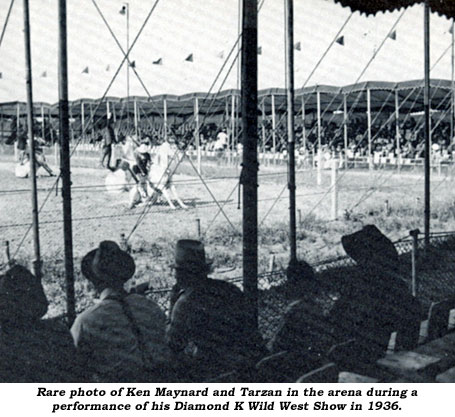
210,328
378,302
32,349
122,337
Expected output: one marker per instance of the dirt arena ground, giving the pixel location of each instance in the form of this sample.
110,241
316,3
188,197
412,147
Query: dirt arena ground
391,200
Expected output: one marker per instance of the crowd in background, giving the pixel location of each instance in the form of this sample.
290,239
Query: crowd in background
384,141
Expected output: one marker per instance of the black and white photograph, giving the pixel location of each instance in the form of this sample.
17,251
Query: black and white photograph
227,191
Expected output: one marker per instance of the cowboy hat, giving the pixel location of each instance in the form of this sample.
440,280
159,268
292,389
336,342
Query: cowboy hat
369,245
190,255
22,296
108,263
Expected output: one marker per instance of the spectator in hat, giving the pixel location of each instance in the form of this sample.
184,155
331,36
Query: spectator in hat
122,337
209,327
378,300
32,349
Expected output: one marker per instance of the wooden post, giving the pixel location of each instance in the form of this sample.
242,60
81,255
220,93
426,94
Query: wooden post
31,141
263,124
83,121
136,126
43,132
233,127
304,127
65,163
18,114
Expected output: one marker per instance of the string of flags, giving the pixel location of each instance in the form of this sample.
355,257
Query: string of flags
393,35
340,41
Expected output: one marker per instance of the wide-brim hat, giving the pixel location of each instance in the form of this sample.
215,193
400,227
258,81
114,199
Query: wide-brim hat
190,255
108,263
370,245
22,296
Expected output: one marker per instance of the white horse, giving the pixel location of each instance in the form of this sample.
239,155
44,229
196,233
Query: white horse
159,181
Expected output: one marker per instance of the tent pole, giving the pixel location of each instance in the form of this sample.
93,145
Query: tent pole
319,169
345,129
289,12
370,160
452,111
43,133
232,124
136,128
273,126
165,118
397,129
303,127
82,120
249,105
198,142
65,161
427,122
31,141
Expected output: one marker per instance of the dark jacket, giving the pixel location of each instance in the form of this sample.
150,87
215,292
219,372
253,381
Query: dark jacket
209,321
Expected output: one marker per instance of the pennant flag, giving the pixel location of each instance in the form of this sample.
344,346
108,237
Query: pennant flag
123,10
259,50
85,70
108,68
340,40
44,74
133,64
221,55
451,30
158,62
298,46
393,35
189,58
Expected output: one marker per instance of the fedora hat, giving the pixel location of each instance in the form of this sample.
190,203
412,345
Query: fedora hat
370,245
108,263
22,296
190,255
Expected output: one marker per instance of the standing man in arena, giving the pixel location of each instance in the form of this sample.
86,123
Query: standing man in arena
108,141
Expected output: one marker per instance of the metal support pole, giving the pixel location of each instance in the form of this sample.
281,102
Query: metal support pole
427,122
198,141
43,132
345,130
452,107
65,162
31,141
249,105
82,120
165,118
136,128
303,127
289,12
232,124
397,130
273,125
18,114
334,186
319,167
370,154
